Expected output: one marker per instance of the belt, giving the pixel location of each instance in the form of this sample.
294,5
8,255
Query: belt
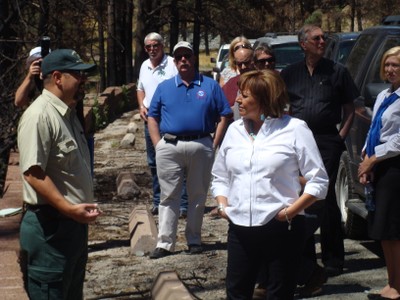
191,137
46,212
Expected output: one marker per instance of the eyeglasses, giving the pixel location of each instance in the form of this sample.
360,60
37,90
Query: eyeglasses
318,38
244,46
262,61
178,57
150,46
246,63
79,73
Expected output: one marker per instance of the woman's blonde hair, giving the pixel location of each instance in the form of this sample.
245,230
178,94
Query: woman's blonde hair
236,40
395,51
268,88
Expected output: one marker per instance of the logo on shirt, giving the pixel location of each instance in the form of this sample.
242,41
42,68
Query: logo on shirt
201,94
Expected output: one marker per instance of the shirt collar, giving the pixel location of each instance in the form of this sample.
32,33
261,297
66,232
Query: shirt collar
196,80
162,64
57,103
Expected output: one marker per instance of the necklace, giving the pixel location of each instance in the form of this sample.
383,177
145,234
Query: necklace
251,129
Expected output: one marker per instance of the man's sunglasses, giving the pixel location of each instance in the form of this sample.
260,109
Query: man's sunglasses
318,38
154,46
244,46
178,57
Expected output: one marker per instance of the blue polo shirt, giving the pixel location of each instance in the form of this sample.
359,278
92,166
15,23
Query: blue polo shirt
191,110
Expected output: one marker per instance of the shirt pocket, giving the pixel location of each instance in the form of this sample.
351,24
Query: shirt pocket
69,156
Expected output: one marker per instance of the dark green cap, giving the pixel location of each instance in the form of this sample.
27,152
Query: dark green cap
64,59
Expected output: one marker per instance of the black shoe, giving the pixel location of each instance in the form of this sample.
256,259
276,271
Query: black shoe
154,211
159,253
183,214
313,287
332,271
195,249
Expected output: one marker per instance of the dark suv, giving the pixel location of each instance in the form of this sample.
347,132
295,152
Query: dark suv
363,64
339,45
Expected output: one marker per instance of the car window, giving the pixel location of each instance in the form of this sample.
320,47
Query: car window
358,54
222,54
330,45
373,82
286,54
344,51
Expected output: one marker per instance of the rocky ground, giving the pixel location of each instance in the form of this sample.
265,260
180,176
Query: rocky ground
114,273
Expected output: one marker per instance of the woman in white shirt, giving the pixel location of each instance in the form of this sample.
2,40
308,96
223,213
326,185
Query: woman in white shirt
257,187
381,168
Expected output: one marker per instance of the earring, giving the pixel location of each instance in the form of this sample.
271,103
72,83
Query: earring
262,117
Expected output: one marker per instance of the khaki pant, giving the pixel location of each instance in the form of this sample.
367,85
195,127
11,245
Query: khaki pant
194,160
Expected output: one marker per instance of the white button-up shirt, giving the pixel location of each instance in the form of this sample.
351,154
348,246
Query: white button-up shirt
390,131
260,177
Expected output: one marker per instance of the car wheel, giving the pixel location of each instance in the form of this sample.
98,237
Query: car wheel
354,226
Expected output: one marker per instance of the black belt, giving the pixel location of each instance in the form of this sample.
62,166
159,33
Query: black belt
191,137
46,212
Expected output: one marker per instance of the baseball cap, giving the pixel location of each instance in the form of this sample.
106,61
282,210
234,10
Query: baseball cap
183,44
64,59
34,54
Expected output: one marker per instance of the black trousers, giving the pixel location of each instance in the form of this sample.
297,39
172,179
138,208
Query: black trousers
325,213
272,247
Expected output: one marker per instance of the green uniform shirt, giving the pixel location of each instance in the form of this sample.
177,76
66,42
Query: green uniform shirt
51,137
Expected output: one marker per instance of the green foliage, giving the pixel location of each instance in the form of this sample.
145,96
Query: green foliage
100,115
124,104
315,18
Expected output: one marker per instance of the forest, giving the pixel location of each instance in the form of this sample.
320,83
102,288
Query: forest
110,33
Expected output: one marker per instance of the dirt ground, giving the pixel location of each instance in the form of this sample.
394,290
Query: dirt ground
112,271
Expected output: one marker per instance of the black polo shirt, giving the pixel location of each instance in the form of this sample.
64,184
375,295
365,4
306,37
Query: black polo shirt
318,99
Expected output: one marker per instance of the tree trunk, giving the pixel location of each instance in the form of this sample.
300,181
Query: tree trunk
196,31
174,24
111,61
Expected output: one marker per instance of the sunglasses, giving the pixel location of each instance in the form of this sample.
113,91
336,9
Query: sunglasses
318,38
246,63
150,46
75,72
244,46
262,61
178,57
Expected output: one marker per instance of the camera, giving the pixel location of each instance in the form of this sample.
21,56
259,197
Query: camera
45,46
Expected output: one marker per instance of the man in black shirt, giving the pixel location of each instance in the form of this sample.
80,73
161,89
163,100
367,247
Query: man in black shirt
321,93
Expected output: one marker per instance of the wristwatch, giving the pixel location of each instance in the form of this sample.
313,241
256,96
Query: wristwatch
220,208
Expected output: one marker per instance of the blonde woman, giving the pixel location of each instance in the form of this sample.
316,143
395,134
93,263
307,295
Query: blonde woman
231,70
381,167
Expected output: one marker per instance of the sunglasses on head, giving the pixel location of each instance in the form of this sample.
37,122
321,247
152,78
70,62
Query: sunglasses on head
178,57
244,46
154,46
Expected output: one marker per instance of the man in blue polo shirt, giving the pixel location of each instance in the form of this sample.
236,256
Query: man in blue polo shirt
184,112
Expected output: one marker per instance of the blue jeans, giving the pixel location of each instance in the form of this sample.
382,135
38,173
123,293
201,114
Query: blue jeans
151,161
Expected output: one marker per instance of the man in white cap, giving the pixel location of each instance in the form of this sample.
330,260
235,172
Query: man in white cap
32,81
57,183
184,112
